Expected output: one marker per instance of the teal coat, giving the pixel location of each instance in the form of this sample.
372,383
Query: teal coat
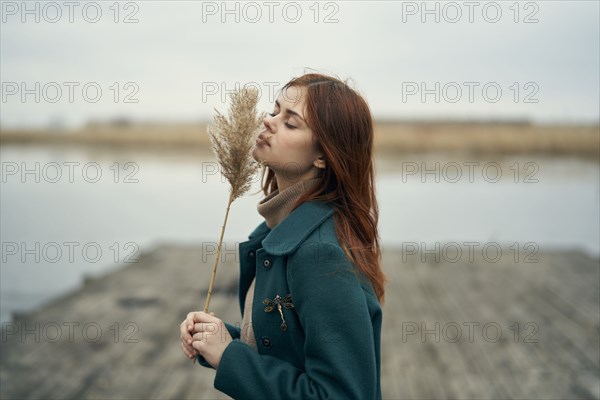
331,347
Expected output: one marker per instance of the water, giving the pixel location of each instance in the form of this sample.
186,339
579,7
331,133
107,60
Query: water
84,223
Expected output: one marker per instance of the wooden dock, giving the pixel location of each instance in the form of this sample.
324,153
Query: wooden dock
451,330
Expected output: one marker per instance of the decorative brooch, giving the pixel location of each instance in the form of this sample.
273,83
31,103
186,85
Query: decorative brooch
279,302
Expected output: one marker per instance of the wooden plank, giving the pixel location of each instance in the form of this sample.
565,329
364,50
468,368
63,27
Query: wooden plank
558,293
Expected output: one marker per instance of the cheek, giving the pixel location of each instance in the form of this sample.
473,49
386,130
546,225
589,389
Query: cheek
300,151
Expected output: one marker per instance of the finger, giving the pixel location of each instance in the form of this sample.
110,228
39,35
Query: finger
190,319
187,341
208,327
183,327
201,316
187,344
185,333
188,353
196,344
198,337
191,314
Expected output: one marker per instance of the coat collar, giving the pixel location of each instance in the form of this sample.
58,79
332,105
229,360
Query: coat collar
291,232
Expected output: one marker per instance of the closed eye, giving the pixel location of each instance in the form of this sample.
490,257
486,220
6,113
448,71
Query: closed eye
286,124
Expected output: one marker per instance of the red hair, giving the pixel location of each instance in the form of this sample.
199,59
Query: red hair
342,124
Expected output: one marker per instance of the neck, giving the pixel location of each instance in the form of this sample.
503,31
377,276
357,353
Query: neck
283,183
278,204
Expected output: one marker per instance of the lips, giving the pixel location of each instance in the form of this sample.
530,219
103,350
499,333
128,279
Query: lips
261,139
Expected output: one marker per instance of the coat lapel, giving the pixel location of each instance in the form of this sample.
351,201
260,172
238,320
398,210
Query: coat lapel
291,232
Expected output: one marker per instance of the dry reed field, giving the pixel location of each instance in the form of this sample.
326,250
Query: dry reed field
390,136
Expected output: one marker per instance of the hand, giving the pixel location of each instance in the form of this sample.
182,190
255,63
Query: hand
210,337
187,330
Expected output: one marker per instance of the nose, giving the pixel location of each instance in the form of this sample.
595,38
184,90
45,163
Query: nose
268,123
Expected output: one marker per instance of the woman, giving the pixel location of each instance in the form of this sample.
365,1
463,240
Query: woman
311,282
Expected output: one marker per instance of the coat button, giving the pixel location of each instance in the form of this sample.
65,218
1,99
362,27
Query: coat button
267,263
266,342
251,253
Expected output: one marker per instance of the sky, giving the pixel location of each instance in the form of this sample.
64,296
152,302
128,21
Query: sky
64,64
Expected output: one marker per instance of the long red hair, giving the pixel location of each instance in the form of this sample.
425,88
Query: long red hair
341,121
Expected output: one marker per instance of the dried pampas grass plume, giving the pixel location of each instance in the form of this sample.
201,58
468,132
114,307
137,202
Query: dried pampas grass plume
232,140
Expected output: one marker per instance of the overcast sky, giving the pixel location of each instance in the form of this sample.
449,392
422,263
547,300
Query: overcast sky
537,60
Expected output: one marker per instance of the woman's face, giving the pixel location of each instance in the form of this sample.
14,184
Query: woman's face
286,144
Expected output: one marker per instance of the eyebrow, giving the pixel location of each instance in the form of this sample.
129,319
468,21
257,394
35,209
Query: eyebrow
288,111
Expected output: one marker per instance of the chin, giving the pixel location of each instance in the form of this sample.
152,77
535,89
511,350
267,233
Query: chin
254,155
257,158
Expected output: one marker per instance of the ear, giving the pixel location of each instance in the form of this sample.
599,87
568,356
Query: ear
319,162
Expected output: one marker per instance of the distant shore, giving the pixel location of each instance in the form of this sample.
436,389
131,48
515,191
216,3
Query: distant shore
390,136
